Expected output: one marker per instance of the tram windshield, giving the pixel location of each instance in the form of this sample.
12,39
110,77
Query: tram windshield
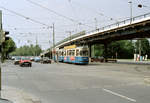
84,53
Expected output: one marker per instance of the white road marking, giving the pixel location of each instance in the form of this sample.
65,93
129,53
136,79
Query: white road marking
119,95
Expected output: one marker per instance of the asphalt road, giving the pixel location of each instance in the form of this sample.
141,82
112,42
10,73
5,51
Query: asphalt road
69,83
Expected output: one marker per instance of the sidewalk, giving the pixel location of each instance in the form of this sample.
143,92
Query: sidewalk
124,61
18,96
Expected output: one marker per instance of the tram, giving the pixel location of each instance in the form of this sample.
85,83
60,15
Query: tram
74,54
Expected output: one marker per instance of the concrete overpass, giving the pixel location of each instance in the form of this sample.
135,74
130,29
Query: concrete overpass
137,27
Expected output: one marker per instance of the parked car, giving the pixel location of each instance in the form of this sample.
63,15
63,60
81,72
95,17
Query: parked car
37,59
32,58
25,62
17,60
12,58
97,59
45,60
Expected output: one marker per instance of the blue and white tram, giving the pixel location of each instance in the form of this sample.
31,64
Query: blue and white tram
82,55
76,55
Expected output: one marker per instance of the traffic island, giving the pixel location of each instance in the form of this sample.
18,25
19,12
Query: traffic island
14,95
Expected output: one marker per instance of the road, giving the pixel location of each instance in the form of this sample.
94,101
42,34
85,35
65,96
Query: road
69,83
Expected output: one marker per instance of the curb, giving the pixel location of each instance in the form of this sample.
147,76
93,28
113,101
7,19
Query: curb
136,63
18,96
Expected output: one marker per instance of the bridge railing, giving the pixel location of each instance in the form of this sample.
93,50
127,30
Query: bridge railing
120,24
108,27
72,37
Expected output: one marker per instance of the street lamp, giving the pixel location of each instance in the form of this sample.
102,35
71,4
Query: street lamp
53,49
130,2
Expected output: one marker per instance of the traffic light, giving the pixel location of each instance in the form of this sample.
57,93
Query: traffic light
140,6
5,36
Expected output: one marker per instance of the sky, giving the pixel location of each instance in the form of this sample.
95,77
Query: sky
67,16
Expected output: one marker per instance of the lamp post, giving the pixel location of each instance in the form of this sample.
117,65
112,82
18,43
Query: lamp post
53,47
130,2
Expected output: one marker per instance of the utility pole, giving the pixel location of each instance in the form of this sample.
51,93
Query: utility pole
53,41
36,45
3,39
49,49
130,2
0,51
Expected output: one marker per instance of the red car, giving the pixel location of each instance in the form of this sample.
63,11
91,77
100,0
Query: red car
25,62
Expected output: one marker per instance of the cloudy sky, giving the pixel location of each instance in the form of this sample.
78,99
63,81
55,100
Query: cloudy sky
28,22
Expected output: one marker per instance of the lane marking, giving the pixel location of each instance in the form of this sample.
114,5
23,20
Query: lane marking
119,95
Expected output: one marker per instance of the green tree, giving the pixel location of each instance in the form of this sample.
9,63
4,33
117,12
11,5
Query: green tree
145,46
9,46
122,49
98,50
28,50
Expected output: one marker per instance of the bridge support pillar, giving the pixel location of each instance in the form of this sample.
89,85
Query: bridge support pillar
90,51
105,52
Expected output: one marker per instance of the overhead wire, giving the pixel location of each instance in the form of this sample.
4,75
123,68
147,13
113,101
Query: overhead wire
73,10
56,13
27,18
99,13
37,4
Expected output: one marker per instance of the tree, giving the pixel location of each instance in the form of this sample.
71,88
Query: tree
145,47
98,49
28,50
123,49
9,46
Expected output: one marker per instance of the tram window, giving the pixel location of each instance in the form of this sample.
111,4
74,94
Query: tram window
70,52
67,52
84,53
77,52
64,53
73,52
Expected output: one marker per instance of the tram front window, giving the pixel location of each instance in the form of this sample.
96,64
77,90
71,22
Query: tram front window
84,53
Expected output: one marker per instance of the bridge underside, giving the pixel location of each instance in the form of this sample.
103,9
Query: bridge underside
129,33
133,31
